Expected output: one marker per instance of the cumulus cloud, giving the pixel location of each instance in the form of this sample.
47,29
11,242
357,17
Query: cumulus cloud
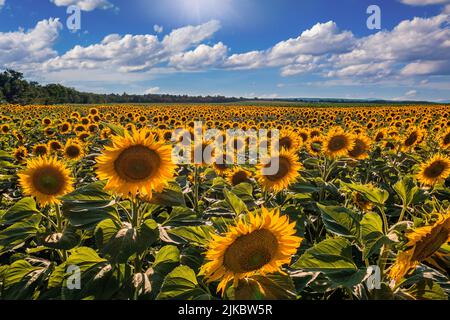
418,47
321,39
202,57
85,5
182,38
28,49
439,67
2,3
132,53
408,44
153,90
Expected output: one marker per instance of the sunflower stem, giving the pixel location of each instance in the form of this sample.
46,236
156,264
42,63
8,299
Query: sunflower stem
196,188
402,213
60,228
385,220
135,224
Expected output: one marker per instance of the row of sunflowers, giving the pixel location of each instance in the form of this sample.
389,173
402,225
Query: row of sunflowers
93,205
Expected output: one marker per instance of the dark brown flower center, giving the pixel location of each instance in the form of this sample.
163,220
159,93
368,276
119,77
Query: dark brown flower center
338,143
239,177
286,142
447,139
411,139
283,169
137,163
73,151
359,149
435,169
48,180
251,252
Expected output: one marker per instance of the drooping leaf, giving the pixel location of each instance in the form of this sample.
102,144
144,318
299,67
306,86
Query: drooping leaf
235,203
18,233
426,289
66,240
332,257
24,208
372,235
195,235
339,220
181,284
369,192
172,196
88,205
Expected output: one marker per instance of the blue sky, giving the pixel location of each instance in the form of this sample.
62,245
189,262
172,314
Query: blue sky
263,48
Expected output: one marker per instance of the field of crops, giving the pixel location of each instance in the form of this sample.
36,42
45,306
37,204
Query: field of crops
93,206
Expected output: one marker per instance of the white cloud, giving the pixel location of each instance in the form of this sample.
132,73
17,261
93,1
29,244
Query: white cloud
28,49
411,93
152,90
322,38
248,60
440,67
408,43
413,49
183,38
158,28
132,53
85,5
423,2
202,57
2,3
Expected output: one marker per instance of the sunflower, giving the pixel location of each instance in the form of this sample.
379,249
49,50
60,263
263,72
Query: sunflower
422,243
65,127
289,140
105,133
412,138
20,153
260,244
444,140
47,179
40,150
315,146
49,131
287,173
136,163
73,149
220,164
434,170
5,129
338,142
238,175
46,122
54,145
361,148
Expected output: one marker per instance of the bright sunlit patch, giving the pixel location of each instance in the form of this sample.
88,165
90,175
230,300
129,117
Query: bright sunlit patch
194,11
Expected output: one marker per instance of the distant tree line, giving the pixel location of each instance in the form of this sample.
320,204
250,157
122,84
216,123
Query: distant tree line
15,89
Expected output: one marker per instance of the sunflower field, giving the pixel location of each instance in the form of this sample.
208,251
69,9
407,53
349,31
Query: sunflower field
92,206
